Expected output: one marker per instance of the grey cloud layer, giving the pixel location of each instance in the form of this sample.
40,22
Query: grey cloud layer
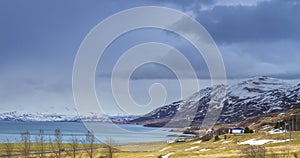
257,38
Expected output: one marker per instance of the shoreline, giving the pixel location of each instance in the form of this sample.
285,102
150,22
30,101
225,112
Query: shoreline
12,131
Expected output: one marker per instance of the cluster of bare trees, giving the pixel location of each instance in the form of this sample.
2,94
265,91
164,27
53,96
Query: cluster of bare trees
55,147
251,151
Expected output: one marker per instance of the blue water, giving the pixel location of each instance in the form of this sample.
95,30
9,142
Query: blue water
12,130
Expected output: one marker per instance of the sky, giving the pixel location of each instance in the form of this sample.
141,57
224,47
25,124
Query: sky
39,41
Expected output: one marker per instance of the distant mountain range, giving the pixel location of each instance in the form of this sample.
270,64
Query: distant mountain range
252,97
15,116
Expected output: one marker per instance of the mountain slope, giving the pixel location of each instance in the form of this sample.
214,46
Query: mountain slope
248,98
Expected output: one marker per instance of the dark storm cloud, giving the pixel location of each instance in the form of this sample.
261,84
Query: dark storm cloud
266,21
260,36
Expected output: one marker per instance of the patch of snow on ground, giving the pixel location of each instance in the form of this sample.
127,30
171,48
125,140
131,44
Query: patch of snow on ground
191,148
255,142
204,149
266,127
263,141
281,141
166,156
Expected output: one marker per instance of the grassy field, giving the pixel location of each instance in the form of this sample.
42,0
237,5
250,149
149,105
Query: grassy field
229,147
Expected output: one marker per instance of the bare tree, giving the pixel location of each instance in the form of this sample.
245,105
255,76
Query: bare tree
89,143
57,145
58,141
74,145
110,150
26,142
41,141
9,148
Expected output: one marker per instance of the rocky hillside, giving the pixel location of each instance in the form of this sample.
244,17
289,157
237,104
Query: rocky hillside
252,97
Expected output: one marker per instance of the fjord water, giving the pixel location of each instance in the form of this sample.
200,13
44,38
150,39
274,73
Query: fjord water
11,130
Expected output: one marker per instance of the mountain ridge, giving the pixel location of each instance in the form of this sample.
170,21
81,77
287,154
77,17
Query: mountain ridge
251,97
57,117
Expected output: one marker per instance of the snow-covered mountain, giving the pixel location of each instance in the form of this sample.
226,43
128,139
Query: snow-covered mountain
17,116
252,97
243,99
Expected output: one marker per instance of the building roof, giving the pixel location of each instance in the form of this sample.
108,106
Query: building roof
237,128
